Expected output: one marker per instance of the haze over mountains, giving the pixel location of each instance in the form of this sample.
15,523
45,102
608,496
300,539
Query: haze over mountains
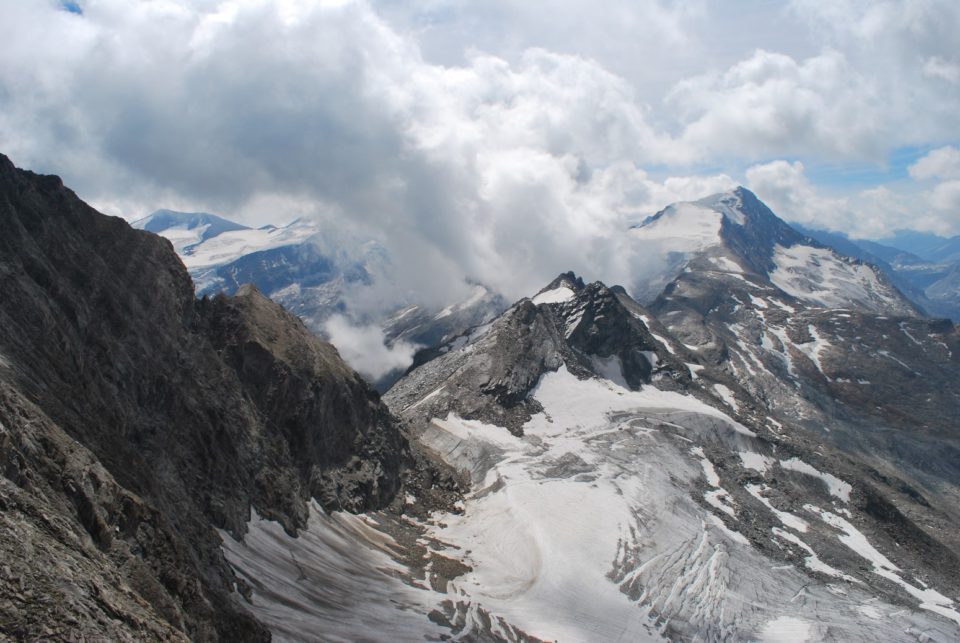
764,448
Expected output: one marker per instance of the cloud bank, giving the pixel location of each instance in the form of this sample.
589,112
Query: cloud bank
503,153
363,348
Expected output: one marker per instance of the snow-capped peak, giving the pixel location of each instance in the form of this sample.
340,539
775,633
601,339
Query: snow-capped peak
728,204
693,226
186,230
563,288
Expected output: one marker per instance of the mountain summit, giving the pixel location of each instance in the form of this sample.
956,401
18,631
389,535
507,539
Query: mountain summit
734,233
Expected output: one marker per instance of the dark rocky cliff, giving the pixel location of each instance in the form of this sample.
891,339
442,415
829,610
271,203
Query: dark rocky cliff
134,419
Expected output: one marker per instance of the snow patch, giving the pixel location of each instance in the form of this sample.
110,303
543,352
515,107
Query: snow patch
837,487
610,368
476,295
786,629
586,403
812,561
555,296
683,227
230,246
787,518
694,369
755,461
821,277
727,395
652,358
813,349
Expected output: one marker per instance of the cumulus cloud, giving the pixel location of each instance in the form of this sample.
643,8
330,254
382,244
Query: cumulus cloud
941,163
946,197
773,104
503,166
503,173
363,348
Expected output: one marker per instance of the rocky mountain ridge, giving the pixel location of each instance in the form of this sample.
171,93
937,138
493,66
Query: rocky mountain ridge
136,419
706,477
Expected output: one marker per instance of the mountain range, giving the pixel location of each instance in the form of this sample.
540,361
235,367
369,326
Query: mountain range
756,441
300,267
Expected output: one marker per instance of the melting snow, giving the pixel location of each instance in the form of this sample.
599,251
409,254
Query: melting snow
476,295
813,349
725,264
812,561
785,517
587,402
652,358
610,368
727,395
758,302
819,276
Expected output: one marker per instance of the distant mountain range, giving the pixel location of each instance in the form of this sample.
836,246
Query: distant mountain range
298,266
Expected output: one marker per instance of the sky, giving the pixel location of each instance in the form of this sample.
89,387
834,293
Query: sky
493,141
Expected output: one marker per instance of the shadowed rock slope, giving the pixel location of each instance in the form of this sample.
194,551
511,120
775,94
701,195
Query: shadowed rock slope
134,419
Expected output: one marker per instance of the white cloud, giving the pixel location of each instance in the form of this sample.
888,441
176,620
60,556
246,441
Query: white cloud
504,166
937,67
871,213
772,104
941,163
363,348
946,197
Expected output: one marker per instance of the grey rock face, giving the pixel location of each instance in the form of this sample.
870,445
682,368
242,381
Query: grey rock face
165,416
876,389
488,372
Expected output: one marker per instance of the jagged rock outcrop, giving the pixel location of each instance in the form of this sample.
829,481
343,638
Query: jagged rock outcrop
135,419
488,372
